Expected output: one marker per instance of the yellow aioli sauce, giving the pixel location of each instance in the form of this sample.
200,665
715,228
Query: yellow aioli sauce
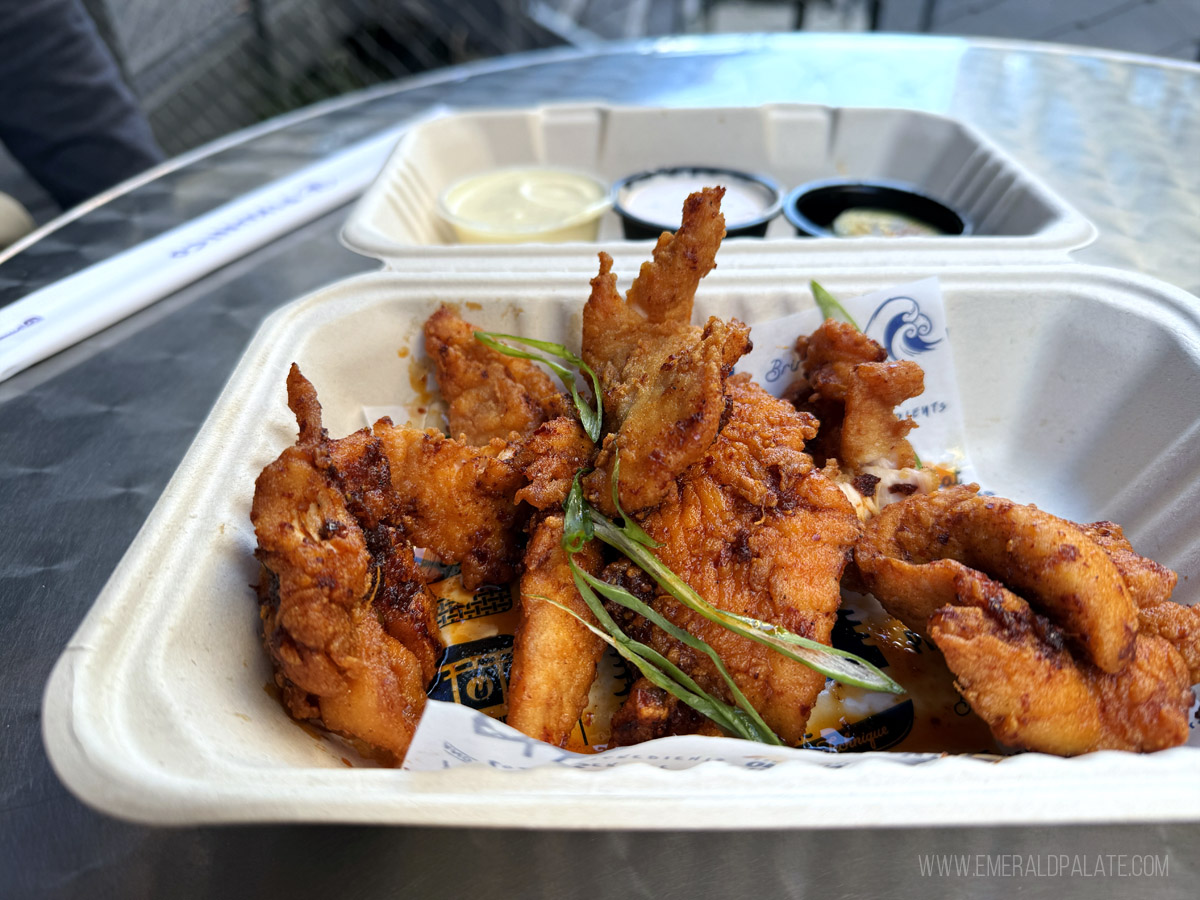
507,206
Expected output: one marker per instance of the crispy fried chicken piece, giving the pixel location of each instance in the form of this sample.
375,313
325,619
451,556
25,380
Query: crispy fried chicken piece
1052,562
455,500
925,559
853,391
403,602
757,530
489,394
666,286
1151,585
322,584
669,404
554,655
1149,582
1013,668
662,378
1179,626
549,459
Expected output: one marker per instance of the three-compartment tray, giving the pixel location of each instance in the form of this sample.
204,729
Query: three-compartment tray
1015,215
1081,388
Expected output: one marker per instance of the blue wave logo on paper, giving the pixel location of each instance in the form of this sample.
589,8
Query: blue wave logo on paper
906,330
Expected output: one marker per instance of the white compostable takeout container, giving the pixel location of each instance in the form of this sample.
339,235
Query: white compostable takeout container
1016,217
1081,391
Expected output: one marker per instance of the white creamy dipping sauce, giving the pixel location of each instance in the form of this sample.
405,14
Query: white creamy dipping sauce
659,198
525,204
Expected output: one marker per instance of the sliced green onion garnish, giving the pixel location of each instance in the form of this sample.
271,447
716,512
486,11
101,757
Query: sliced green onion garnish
830,308
678,684
590,417
577,519
836,664
623,597
631,528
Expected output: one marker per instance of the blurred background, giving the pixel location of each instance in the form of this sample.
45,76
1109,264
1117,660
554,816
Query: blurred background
205,68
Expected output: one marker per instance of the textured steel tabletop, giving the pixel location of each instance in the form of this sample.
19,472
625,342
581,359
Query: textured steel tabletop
89,438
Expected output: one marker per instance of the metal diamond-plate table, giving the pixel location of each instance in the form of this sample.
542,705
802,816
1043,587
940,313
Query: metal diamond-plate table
89,438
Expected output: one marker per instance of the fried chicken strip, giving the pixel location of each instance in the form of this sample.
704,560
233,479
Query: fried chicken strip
756,530
852,389
322,579
1013,668
489,395
455,500
662,378
669,404
554,655
1151,585
666,285
1052,562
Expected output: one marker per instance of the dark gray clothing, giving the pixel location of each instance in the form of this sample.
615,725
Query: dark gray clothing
65,113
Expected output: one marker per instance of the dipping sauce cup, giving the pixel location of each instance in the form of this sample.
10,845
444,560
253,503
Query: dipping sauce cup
650,203
851,208
515,205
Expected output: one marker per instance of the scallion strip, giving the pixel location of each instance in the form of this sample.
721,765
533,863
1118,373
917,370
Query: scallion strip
837,664
591,418
577,518
829,306
631,528
623,597
648,662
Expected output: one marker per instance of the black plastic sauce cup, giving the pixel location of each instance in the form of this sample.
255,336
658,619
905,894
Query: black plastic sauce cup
812,207
637,228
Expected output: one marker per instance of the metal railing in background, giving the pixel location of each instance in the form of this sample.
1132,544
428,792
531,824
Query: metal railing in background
207,67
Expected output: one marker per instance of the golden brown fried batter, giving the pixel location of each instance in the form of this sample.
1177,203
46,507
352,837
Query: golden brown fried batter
1149,582
456,501
554,655
403,602
662,378
852,389
1014,669
1151,585
489,394
323,578
1179,626
1122,690
1049,560
669,405
666,285
549,459
650,713
755,530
